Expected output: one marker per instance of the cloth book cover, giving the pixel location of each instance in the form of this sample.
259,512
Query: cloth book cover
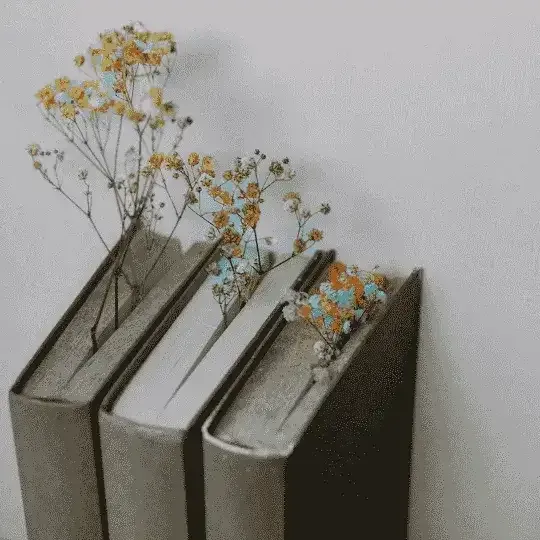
54,402
150,423
288,455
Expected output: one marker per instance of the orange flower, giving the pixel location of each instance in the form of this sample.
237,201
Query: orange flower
76,93
299,246
292,195
334,272
380,281
173,162
230,236
68,111
221,219
252,191
252,214
153,58
62,84
316,235
135,116
304,311
193,158
46,96
207,166
156,160
119,107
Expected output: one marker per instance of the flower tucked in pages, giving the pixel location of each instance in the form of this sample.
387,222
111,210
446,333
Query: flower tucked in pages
339,307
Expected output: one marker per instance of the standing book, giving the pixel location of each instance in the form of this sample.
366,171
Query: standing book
289,456
54,401
150,423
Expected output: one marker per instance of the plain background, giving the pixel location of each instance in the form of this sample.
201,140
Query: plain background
417,120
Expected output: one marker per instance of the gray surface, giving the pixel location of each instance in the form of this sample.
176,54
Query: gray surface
56,441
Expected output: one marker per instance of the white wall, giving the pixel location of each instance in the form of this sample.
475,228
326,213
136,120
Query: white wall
418,121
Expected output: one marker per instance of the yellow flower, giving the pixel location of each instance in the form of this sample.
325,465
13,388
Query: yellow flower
156,160
316,235
135,116
252,214
119,107
68,111
79,60
76,93
221,196
168,108
46,96
208,165
291,196
252,191
153,58
132,53
173,162
90,84
193,158
157,123
61,84
228,175
37,165
157,96
221,219
33,149
206,181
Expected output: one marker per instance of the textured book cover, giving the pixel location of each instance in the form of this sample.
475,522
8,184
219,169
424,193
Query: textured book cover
287,456
55,400
153,464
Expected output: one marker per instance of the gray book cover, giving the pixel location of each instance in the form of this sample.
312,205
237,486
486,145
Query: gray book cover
54,402
289,456
153,469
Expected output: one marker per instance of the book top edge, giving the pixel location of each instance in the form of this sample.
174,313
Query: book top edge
230,429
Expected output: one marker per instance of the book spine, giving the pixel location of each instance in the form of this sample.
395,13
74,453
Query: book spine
244,493
55,445
137,464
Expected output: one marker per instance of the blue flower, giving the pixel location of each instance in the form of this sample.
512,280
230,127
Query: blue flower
358,313
62,97
328,319
345,298
370,288
144,47
381,295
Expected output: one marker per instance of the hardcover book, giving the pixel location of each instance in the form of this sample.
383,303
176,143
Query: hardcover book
288,455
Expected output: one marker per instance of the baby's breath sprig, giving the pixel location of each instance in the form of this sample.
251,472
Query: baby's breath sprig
120,98
231,205
342,303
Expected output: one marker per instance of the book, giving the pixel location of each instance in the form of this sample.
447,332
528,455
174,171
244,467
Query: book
150,421
288,455
54,401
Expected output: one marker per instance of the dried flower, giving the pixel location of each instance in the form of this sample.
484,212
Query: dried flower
290,312
193,158
325,209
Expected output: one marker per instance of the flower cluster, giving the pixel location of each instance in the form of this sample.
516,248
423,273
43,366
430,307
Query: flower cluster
339,306
231,205
118,103
118,61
